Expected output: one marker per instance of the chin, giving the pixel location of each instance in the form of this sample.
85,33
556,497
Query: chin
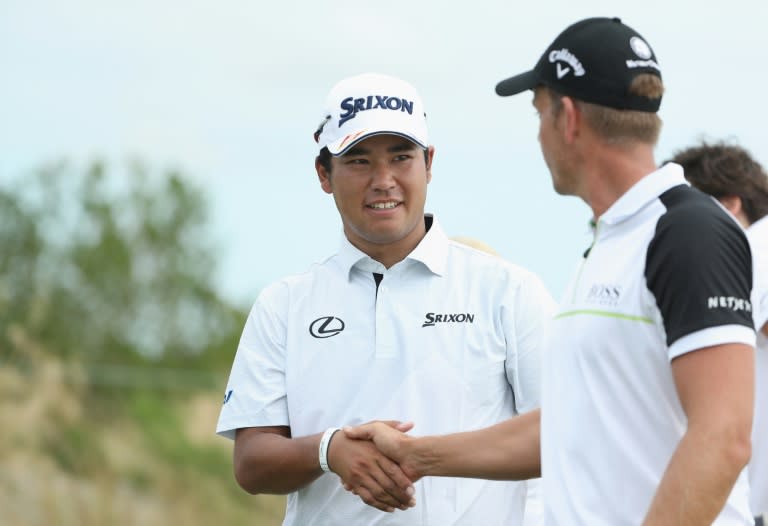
386,236
561,187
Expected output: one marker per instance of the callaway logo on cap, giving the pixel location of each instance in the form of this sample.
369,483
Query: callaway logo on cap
371,104
594,60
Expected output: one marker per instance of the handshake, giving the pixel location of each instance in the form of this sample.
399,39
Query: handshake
378,462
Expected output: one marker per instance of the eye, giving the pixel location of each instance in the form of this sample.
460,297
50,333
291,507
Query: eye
358,160
403,157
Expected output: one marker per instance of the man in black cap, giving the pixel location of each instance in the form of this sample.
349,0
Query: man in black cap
648,384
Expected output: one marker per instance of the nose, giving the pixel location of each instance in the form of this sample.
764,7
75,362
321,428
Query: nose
382,177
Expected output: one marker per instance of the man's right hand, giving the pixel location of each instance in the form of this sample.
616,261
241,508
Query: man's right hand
369,474
392,442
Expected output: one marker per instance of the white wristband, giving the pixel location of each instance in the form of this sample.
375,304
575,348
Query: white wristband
325,441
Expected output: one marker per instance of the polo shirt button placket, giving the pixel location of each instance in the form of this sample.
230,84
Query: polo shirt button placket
384,320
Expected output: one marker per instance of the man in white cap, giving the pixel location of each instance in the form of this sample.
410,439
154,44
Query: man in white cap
649,377
401,323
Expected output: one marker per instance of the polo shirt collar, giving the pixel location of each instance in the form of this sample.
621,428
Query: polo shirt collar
643,192
432,252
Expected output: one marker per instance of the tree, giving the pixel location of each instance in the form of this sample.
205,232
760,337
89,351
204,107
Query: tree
112,267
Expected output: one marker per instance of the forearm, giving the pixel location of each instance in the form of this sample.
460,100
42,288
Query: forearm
509,450
271,463
698,479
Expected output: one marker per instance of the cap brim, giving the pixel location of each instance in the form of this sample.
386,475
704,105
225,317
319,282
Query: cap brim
340,147
518,84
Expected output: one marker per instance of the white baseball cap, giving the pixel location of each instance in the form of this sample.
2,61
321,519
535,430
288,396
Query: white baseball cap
371,104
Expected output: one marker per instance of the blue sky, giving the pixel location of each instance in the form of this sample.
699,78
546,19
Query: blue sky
232,91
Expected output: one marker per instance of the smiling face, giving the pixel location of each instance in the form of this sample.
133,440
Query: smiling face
380,188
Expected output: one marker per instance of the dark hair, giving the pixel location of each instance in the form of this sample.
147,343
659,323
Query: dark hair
324,158
722,170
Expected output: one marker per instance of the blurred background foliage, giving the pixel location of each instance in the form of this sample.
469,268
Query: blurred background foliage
115,346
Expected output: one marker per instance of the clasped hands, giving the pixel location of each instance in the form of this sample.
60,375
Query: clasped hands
376,462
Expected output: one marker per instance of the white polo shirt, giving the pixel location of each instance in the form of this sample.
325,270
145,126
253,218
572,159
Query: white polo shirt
668,273
450,340
758,465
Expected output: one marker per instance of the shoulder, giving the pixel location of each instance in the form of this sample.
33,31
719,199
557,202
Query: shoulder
684,201
490,266
694,225
758,241
689,208
495,275
283,288
696,234
758,233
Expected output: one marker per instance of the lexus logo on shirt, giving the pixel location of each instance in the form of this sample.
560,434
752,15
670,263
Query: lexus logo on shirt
326,327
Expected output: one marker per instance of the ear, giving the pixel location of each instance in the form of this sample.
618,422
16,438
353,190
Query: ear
732,203
430,156
572,119
735,206
324,177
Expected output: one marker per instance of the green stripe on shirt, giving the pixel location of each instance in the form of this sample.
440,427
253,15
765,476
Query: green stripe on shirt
607,314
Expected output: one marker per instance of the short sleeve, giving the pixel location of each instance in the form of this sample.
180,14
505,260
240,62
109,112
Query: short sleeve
699,269
527,322
256,392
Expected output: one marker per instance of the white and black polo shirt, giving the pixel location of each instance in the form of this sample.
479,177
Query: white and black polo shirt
758,464
448,338
669,272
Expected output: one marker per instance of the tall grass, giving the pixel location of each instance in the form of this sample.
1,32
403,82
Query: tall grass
122,458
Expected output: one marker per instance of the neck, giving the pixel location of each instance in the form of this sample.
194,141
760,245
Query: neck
388,253
388,256
610,171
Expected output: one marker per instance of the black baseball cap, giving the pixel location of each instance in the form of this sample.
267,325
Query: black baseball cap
594,60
